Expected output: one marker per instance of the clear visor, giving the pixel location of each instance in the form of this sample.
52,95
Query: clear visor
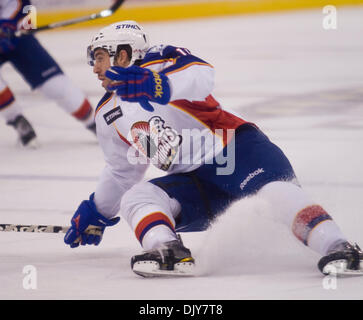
90,56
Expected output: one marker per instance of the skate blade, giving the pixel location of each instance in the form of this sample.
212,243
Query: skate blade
150,269
31,145
339,269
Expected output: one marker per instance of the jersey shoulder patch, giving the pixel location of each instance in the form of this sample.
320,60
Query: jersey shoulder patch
181,58
163,52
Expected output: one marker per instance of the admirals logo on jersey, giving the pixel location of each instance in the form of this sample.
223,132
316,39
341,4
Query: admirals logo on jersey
156,141
113,115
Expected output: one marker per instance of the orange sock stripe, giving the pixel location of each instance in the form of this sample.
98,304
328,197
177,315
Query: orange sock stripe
84,111
6,98
150,221
306,220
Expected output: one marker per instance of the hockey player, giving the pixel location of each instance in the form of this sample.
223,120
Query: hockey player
159,105
39,70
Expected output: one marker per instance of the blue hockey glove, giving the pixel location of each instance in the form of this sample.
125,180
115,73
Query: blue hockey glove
8,41
88,225
141,85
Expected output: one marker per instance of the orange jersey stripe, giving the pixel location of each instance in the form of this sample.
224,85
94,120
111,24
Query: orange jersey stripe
151,220
147,64
121,136
101,106
306,220
187,66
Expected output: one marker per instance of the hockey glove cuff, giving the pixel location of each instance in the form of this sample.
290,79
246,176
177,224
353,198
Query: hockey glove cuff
136,84
87,225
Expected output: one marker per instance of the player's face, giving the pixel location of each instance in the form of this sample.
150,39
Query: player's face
101,64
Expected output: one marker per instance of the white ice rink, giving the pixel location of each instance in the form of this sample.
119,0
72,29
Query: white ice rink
299,83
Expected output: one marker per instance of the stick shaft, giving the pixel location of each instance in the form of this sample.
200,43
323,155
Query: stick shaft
101,14
33,228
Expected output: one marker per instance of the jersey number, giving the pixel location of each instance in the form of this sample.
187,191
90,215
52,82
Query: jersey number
184,52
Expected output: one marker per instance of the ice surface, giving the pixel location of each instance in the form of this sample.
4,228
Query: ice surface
300,83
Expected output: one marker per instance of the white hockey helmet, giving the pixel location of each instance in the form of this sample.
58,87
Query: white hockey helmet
120,33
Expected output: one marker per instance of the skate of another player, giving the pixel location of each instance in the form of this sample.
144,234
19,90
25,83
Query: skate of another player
40,71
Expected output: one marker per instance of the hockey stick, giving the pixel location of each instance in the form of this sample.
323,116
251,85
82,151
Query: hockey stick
33,228
102,14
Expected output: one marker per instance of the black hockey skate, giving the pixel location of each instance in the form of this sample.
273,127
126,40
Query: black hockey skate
343,260
92,128
25,131
170,260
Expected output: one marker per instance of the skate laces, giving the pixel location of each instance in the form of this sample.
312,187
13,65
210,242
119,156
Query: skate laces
353,247
354,255
358,249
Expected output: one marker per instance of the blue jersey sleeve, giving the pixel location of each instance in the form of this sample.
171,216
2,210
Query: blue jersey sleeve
182,58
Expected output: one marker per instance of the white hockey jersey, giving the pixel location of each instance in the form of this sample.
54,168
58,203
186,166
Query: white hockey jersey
178,137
